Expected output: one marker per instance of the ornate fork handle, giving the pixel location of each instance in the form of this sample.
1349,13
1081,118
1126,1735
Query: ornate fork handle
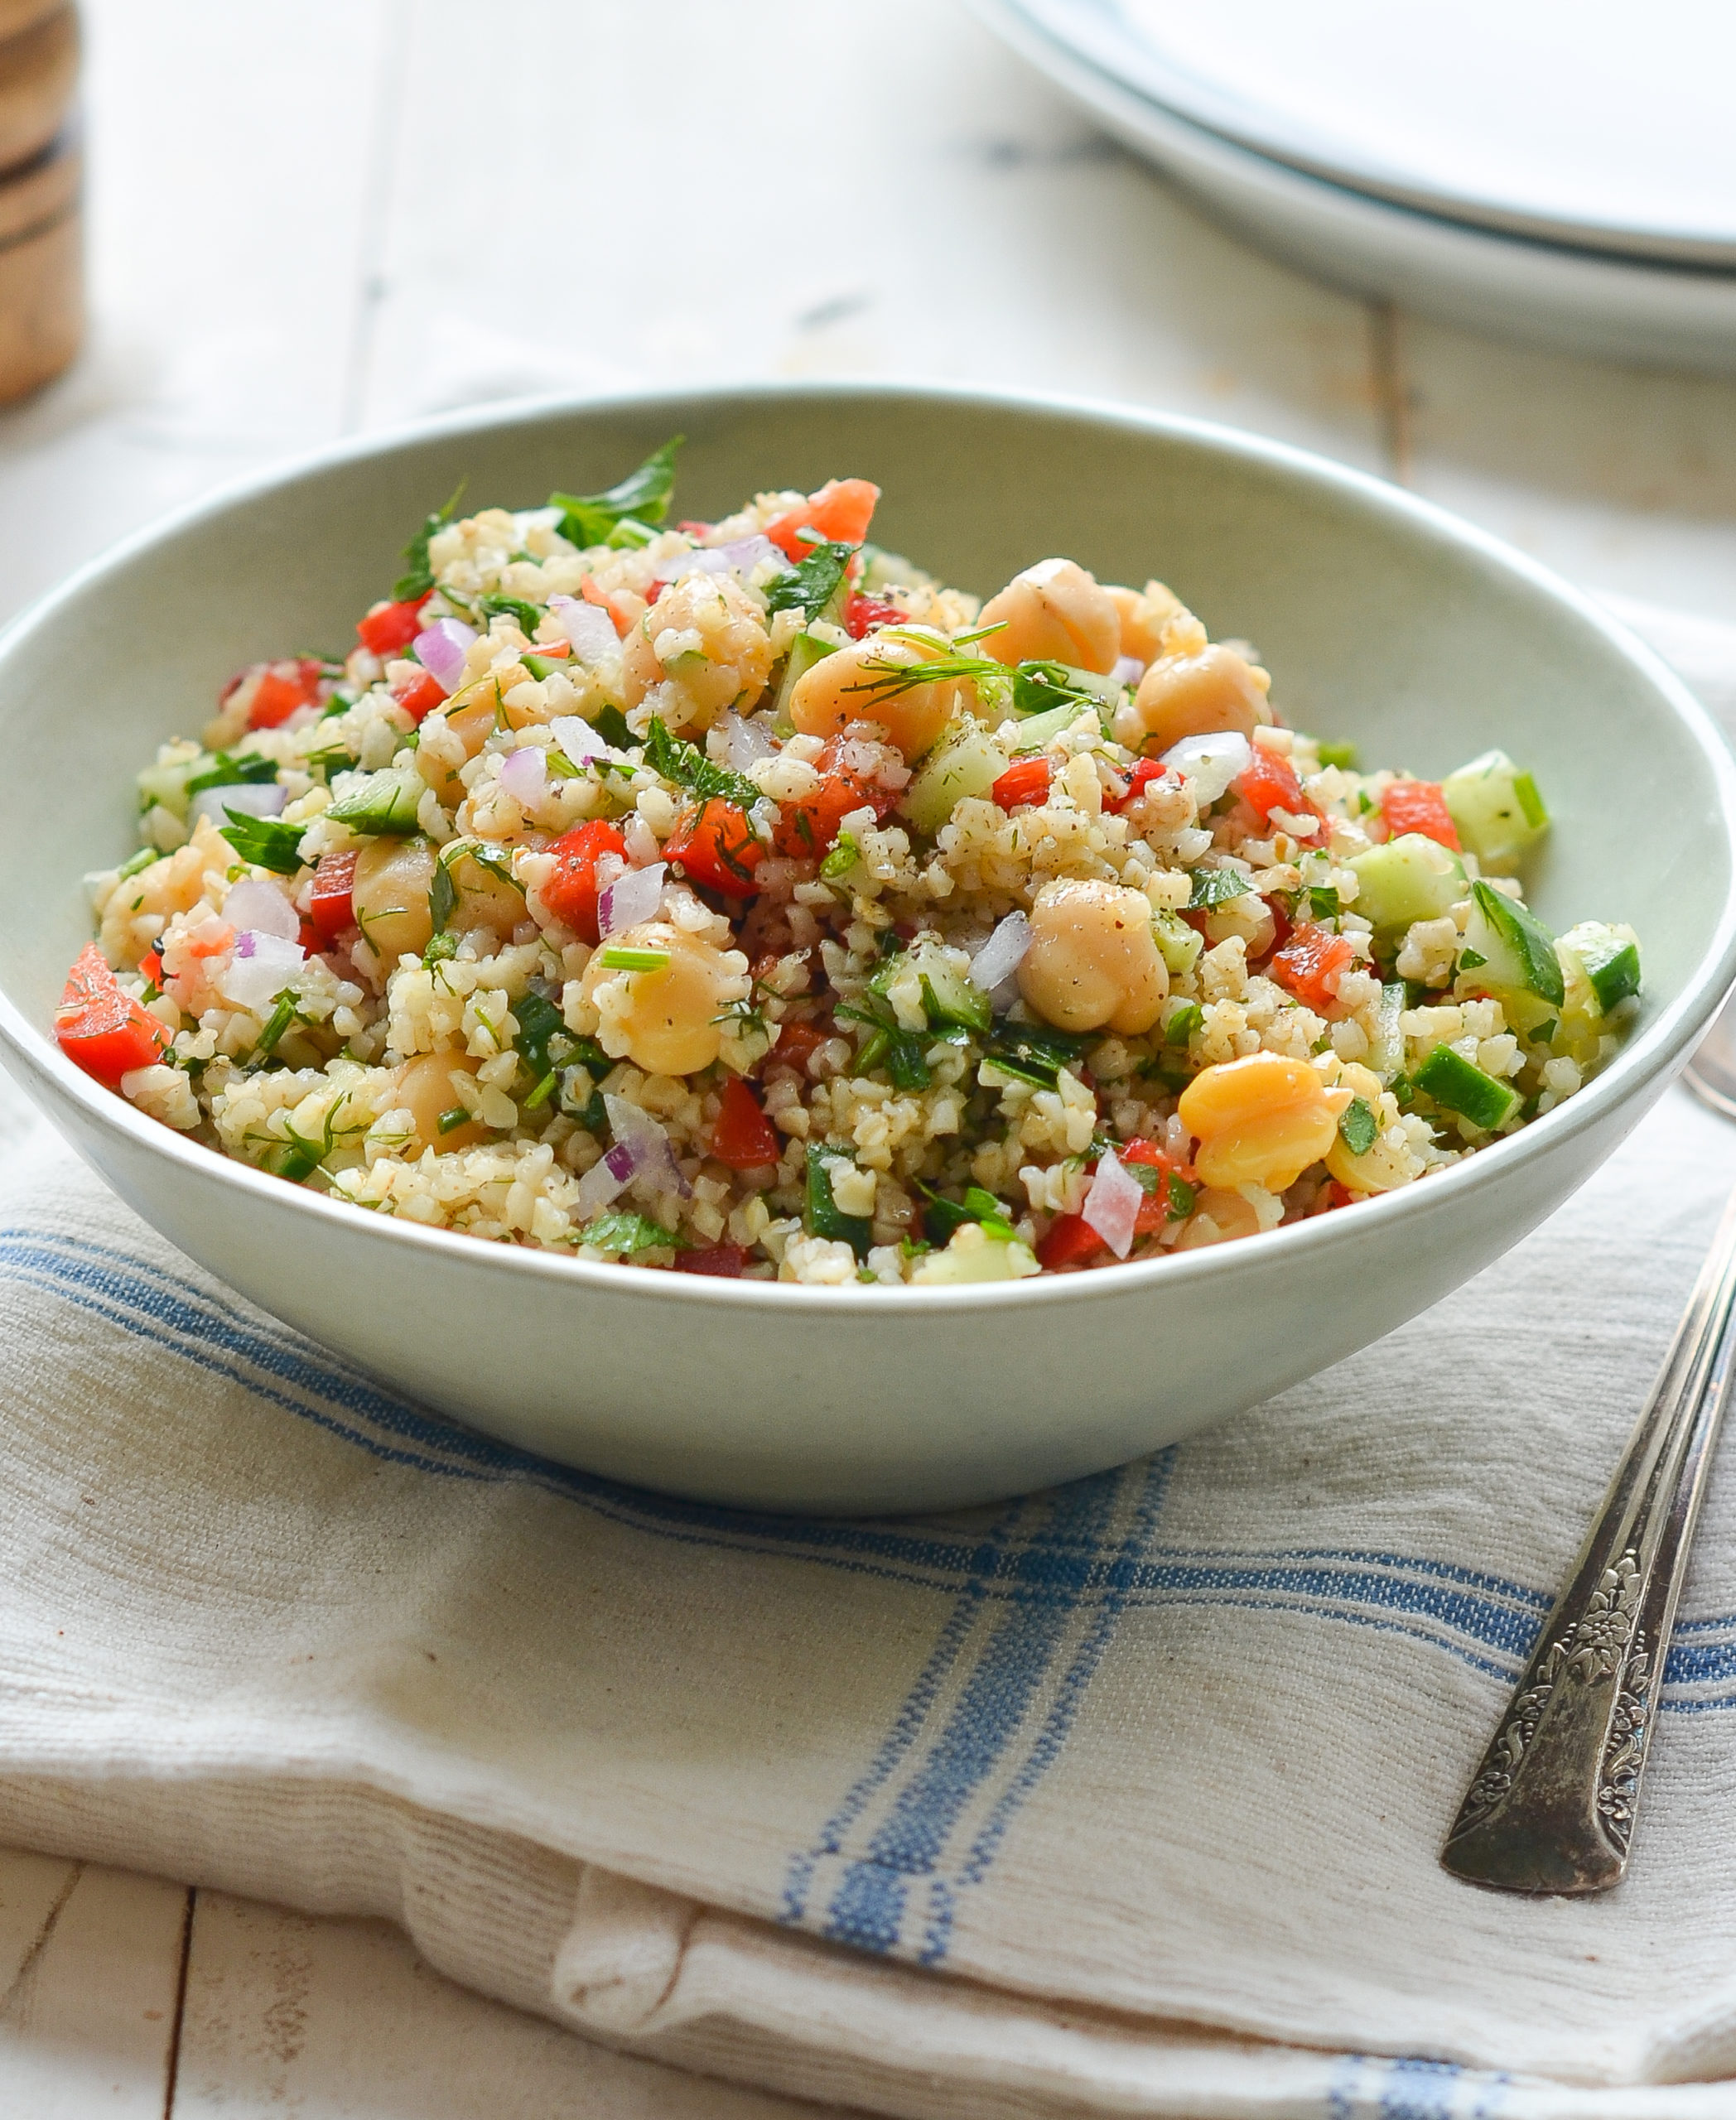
1551,1808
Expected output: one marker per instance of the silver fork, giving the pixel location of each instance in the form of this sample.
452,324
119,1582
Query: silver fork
1551,1807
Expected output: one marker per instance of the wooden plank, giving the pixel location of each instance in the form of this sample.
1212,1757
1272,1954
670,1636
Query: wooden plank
1622,479
691,193
230,173
342,2021
87,2019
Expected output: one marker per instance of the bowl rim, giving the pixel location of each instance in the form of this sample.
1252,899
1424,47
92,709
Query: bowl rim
1658,1050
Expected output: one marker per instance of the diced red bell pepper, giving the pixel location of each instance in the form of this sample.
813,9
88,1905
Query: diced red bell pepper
695,529
805,829
330,908
1310,965
841,510
1157,1208
150,970
1143,772
1024,783
714,843
1270,783
726,1260
742,1137
420,695
571,892
798,1042
275,690
863,614
1071,1241
389,627
105,1031
1419,806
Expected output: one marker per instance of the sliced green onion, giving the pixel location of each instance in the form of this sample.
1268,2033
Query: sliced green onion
451,1120
617,958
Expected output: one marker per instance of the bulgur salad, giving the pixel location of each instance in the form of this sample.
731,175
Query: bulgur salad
736,897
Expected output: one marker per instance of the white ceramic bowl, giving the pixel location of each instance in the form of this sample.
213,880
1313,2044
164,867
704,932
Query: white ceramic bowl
1383,621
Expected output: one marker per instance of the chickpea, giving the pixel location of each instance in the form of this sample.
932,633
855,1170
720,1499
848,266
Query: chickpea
1093,962
423,1086
855,684
665,1021
1260,1121
1200,695
1054,612
706,636
483,896
1144,618
1217,1218
393,878
471,715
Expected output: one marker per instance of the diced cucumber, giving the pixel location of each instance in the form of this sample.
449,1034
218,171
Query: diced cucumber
1410,878
1457,1084
1516,949
1387,1049
969,765
1342,755
974,1255
383,802
949,995
1177,944
1610,957
1032,734
805,650
1496,808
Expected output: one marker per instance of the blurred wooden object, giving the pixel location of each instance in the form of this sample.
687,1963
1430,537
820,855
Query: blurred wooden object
41,166
39,73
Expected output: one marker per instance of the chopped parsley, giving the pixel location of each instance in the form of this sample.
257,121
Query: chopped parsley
1041,687
842,859
610,723
686,764
1183,1022
625,1233
942,1216
1033,1052
642,496
1322,901
1216,887
821,1214
383,802
233,769
525,615
543,1041
1358,1127
812,583
1470,960
420,578
268,842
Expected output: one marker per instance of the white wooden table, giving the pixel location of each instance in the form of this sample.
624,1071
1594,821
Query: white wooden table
311,220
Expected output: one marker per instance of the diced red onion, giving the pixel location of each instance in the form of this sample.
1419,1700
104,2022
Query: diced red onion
1003,953
588,627
524,774
577,738
638,1130
606,1179
1210,763
262,907
251,798
1112,1205
262,965
1128,670
441,647
741,556
635,897
743,742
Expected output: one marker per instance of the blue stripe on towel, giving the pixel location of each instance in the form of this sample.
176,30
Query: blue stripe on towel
1467,1612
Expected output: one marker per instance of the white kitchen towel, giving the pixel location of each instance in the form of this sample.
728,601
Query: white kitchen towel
1124,1799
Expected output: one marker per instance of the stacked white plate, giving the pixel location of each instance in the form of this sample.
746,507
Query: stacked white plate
1561,170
